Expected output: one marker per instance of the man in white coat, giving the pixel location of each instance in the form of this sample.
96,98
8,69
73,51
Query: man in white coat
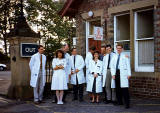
110,93
121,73
65,49
89,57
38,74
77,75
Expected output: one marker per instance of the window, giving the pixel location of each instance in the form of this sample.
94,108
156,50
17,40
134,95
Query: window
122,31
144,41
92,24
96,22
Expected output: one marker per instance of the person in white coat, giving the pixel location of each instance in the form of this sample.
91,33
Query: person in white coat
94,85
121,73
59,82
77,75
110,93
89,56
38,74
65,49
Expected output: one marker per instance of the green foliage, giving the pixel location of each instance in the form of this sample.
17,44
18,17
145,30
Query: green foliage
40,13
51,46
44,13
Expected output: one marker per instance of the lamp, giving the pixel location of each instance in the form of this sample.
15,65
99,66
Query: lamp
90,13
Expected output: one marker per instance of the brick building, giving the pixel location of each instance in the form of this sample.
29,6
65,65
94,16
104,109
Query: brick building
133,23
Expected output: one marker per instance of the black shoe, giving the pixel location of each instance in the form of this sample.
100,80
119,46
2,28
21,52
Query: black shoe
115,103
92,101
127,106
98,102
120,103
74,99
104,100
40,101
81,100
108,101
37,102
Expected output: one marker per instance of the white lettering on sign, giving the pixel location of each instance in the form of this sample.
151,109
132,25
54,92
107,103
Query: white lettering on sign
30,50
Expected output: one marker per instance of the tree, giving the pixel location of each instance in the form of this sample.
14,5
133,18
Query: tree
44,14
9,10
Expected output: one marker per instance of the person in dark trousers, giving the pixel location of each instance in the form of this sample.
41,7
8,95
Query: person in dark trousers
77,75
121,73
101,56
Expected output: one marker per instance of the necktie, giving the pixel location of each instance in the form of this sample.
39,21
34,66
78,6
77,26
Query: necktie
109,61
41,62
74,60
118,62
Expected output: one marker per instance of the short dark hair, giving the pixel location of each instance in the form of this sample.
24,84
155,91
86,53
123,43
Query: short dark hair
103,46
73,49
108,45
39,46
59,51
119,45
93,48
95,53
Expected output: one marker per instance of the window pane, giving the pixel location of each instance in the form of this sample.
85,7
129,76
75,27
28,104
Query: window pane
123,27
146,52
96,23
145,24
126,45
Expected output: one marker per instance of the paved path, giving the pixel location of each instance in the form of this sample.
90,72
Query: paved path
137,106
17,106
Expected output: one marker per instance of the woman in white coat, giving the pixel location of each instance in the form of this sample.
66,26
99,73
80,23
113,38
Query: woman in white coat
59,82
94,84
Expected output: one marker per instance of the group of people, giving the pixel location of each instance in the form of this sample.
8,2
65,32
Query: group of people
106,72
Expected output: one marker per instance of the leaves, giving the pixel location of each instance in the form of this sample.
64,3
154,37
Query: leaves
40,13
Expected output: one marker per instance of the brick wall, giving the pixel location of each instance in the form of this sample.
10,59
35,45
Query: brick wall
140,86
145,87
157,37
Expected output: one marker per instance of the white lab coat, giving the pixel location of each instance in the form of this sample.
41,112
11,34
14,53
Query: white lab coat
125,70
34,65
89,57
68,66
95,68
105,64
79,64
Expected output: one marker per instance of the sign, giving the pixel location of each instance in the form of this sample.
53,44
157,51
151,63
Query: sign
28,49
74,41
98,33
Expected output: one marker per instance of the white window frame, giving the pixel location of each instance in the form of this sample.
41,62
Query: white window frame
87,36
115,34
137,67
